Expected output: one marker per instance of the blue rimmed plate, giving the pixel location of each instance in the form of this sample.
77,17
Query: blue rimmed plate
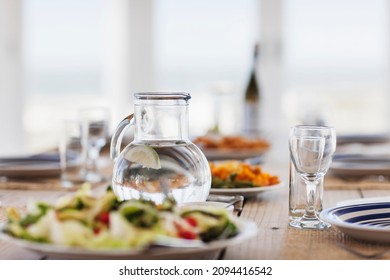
364,221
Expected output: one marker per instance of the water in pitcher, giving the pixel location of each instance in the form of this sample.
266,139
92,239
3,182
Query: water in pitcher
154,170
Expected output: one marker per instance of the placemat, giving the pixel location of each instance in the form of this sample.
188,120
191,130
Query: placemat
40,185
325,245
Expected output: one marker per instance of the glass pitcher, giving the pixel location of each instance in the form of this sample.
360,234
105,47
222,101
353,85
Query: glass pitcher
161,161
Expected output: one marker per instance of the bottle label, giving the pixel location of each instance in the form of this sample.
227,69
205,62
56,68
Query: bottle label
251,117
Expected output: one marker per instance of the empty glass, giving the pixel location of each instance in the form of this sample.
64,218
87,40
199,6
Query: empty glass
95,132
311,150
71,155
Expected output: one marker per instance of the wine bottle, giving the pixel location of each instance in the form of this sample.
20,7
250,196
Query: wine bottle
252,100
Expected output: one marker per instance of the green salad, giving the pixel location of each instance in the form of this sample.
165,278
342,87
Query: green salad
83,220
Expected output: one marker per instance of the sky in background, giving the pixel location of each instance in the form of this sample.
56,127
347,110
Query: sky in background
201,41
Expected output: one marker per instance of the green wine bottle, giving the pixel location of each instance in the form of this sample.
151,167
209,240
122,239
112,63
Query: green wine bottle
252,99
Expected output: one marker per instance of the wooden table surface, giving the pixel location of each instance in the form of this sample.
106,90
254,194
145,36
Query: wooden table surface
275,240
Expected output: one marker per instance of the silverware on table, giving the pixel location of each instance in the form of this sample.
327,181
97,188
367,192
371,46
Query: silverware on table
237,201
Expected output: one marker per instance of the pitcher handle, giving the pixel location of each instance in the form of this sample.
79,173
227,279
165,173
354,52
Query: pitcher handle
116,140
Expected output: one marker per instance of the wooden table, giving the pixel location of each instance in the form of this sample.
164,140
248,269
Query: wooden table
275,240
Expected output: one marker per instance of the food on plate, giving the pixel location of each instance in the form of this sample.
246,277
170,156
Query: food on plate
83,220
236,174
231,142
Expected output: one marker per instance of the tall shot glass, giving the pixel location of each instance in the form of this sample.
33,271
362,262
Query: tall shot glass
298,196
311,151
95,132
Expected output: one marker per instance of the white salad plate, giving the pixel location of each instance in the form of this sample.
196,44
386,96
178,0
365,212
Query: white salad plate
247,192
368,221
247,229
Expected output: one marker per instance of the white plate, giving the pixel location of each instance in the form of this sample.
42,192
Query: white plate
360,165
20,167
369,221
220,154
247,230
246,192
362,138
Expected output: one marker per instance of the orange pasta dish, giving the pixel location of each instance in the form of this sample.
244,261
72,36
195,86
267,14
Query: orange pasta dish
236,174
231,143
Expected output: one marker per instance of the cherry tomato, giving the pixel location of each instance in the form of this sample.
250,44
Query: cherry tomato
192,221
186,234
104,218
96,230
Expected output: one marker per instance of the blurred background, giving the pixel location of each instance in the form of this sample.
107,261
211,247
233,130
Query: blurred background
322,61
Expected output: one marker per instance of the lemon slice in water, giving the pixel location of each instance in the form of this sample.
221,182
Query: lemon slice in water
144,155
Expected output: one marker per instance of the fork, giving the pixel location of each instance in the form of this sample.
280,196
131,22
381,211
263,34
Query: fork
365,255
237,201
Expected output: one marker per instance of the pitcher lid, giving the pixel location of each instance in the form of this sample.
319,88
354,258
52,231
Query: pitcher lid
162,96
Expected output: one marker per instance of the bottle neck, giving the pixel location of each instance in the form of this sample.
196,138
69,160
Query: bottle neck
252,93
161,122
255,62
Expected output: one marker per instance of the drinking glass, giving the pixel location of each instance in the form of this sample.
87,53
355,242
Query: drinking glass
95,131
311,150
71,154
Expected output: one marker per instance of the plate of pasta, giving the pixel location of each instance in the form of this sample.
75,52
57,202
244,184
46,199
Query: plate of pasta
241,178
231,147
